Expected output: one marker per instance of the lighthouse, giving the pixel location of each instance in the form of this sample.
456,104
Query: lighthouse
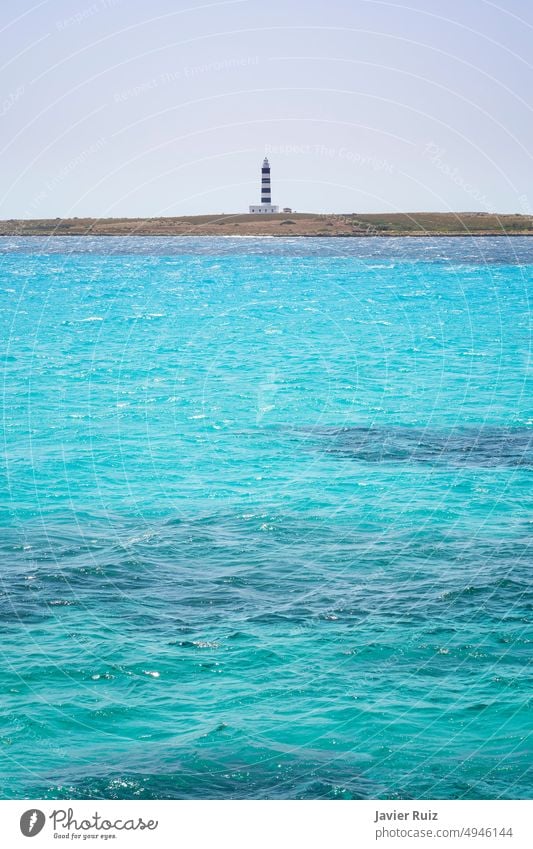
266,195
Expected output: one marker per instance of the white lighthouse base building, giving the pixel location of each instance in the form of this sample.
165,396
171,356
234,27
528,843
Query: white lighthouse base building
263,207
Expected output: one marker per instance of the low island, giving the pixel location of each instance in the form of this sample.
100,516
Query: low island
282,224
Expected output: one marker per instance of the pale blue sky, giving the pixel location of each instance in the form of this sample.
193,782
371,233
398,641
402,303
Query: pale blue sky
123,107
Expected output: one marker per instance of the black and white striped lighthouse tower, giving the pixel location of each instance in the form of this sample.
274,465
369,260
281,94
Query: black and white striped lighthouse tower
266,194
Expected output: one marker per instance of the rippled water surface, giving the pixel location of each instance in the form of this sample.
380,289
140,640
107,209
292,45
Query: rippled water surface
265,518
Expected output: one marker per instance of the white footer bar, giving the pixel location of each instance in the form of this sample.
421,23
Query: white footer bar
268,824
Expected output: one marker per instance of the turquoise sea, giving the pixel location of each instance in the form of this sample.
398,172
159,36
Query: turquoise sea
266,518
